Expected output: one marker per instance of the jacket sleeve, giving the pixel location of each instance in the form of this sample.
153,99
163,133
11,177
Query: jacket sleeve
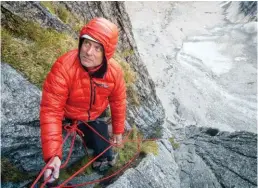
54,96
117,102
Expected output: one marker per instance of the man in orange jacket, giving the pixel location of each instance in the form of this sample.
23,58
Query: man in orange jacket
80,86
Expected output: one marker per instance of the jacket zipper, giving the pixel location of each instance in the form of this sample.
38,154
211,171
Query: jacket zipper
90,98
94,94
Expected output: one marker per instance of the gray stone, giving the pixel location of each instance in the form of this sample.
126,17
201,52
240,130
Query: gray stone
15,185
206,157
250,27
82,179
20,131
33,11
153,171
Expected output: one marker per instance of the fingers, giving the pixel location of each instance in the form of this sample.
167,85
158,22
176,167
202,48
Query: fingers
48,173
117,139
53,174
53,171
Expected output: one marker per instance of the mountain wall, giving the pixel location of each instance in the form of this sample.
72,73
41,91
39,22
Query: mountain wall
190,155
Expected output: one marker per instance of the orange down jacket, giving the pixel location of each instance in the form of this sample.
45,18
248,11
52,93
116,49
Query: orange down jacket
70,92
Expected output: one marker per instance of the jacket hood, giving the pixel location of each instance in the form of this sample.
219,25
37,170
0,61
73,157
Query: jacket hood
103,31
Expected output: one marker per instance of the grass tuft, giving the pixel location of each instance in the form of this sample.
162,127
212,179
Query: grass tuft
174,143
31,49
10,173
129,76
131,148
63,13
68,172
48,5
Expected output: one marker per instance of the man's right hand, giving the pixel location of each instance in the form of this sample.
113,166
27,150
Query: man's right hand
54,173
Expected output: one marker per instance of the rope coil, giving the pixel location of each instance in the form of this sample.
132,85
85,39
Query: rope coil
71,129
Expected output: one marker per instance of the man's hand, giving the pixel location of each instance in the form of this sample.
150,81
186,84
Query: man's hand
54,173
117,139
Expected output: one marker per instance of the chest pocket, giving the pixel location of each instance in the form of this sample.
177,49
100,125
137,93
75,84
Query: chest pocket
102,91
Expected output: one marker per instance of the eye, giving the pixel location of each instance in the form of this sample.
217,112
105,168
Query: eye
86,43
98,48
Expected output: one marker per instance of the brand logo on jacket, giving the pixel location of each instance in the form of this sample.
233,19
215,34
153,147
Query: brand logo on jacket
103,85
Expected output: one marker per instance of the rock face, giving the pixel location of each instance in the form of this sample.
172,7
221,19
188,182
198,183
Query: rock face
33,11
206,157
20,100
240,12
20,132
20,120
153,171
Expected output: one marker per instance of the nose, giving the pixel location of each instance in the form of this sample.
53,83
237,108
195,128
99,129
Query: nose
90,50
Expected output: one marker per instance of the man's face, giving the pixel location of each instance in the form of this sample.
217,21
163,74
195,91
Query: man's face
91,53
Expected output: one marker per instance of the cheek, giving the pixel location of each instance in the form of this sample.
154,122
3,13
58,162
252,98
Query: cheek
100,58
83,49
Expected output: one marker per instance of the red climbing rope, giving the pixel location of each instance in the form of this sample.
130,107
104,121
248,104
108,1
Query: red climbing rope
72,129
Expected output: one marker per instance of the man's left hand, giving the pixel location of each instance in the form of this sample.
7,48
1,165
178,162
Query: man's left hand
117,139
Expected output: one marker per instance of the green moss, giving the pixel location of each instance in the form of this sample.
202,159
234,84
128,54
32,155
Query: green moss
48,5
63,13
127,53
130,78
174,143
131,148
10,173
77,26
150,147
97,186
157,133
32,50
68,172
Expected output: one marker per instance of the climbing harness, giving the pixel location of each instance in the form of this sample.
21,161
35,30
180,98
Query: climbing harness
72,130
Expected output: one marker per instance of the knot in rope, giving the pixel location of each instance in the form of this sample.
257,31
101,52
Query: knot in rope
73,128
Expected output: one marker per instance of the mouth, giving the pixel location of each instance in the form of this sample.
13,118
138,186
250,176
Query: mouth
86,59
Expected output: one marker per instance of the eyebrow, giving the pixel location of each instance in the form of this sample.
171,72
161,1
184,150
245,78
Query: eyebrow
95,43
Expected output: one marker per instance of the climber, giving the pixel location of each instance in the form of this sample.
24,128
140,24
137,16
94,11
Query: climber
80,86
